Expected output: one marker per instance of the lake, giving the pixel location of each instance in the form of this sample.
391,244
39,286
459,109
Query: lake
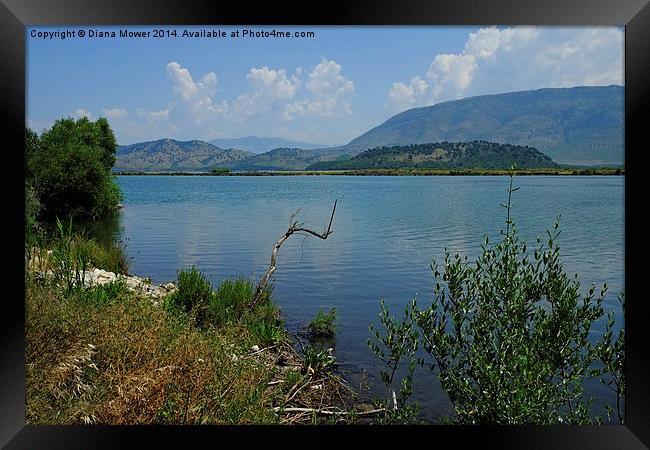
386,232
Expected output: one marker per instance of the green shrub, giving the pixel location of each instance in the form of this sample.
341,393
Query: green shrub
323,324
315,362
230,300
69,262
267,332
105,293
509,334
107,256
193,295
398,344
228,304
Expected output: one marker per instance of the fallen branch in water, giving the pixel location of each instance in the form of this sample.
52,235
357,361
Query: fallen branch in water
327,412
294,227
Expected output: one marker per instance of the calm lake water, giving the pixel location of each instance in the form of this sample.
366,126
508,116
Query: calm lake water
386,231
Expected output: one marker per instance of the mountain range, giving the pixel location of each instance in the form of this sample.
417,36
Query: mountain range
579,126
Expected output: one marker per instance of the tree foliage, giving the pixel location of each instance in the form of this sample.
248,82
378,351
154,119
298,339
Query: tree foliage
69,167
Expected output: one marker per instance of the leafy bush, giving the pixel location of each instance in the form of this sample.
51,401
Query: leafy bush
323,324
509,334
398,344
70,168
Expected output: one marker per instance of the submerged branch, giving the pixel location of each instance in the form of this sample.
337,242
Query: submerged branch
294,227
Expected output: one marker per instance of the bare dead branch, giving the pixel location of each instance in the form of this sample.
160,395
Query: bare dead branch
328,411
294,227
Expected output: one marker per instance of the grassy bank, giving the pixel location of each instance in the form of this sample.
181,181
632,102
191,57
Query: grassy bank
405,172
105,354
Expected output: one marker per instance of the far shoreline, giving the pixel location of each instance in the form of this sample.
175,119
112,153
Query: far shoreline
562,171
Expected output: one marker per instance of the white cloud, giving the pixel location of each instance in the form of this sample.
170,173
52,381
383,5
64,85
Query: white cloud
183,82
274,94
329,93
497,60
163,114
275,82
115,113
402,97
80,112
451,73
196,96
271,89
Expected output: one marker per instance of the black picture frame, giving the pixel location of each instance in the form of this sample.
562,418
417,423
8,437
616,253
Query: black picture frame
15,15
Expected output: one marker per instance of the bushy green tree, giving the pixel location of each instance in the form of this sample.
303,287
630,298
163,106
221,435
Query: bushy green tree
70,166
509,335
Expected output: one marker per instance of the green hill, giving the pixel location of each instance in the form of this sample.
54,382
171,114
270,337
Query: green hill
172,155
444,155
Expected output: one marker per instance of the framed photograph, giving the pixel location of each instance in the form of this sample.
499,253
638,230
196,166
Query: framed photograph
421,214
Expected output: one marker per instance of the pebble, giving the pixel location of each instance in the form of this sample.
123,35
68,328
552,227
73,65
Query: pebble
255,348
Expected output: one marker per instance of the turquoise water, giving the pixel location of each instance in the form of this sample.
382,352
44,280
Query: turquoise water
386,231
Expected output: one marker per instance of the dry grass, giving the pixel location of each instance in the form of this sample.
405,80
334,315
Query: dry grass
108,356
127,361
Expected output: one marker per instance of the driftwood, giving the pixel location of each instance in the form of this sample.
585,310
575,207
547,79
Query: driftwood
294,228
327,412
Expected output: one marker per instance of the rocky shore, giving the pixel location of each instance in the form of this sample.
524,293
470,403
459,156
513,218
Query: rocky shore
139,285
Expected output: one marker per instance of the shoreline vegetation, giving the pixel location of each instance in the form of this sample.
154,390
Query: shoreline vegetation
113,348
563,171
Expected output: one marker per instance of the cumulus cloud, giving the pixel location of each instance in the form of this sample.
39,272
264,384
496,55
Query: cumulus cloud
270,88
329,93
402,96
272,94
497,60
184,84
196,95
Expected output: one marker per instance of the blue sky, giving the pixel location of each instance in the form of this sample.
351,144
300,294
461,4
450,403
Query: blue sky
325,89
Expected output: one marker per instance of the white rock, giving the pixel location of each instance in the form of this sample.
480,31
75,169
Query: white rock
255,348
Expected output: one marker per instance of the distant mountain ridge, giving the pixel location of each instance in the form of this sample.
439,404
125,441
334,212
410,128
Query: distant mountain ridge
579,125
170,155
443,155
258,144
